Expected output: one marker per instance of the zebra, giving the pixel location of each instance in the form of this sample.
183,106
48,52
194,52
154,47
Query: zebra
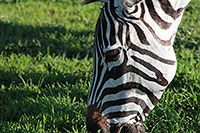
133,62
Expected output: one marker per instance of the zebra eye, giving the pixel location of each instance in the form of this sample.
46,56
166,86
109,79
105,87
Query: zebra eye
112,55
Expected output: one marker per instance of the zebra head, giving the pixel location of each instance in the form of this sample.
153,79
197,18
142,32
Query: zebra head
133,61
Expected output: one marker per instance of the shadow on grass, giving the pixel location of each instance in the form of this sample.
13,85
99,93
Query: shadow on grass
11,103
54,40
29,107
27,103
50,78
17,99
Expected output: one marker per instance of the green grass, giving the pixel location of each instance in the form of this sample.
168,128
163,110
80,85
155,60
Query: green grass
46,68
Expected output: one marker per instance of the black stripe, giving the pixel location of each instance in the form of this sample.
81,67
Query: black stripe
112,27
168,9
139,31
112,10
116,17
134,11
128,86
149,53
98,43
125,101
155,16
163,42
121,114
141,35
104,26
129,17
116,72
159,75
100,68
94,59
120,30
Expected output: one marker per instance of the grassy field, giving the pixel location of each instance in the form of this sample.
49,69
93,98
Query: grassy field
46,68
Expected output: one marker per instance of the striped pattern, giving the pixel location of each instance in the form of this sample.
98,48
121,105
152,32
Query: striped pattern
134,61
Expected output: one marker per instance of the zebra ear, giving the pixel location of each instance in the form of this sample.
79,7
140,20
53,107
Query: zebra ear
92,1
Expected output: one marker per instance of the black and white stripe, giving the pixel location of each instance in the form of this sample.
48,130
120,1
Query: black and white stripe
134,60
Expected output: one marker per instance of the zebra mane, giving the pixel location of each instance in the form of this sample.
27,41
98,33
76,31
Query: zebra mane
92,1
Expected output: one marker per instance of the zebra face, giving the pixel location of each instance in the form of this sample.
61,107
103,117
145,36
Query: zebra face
133,62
